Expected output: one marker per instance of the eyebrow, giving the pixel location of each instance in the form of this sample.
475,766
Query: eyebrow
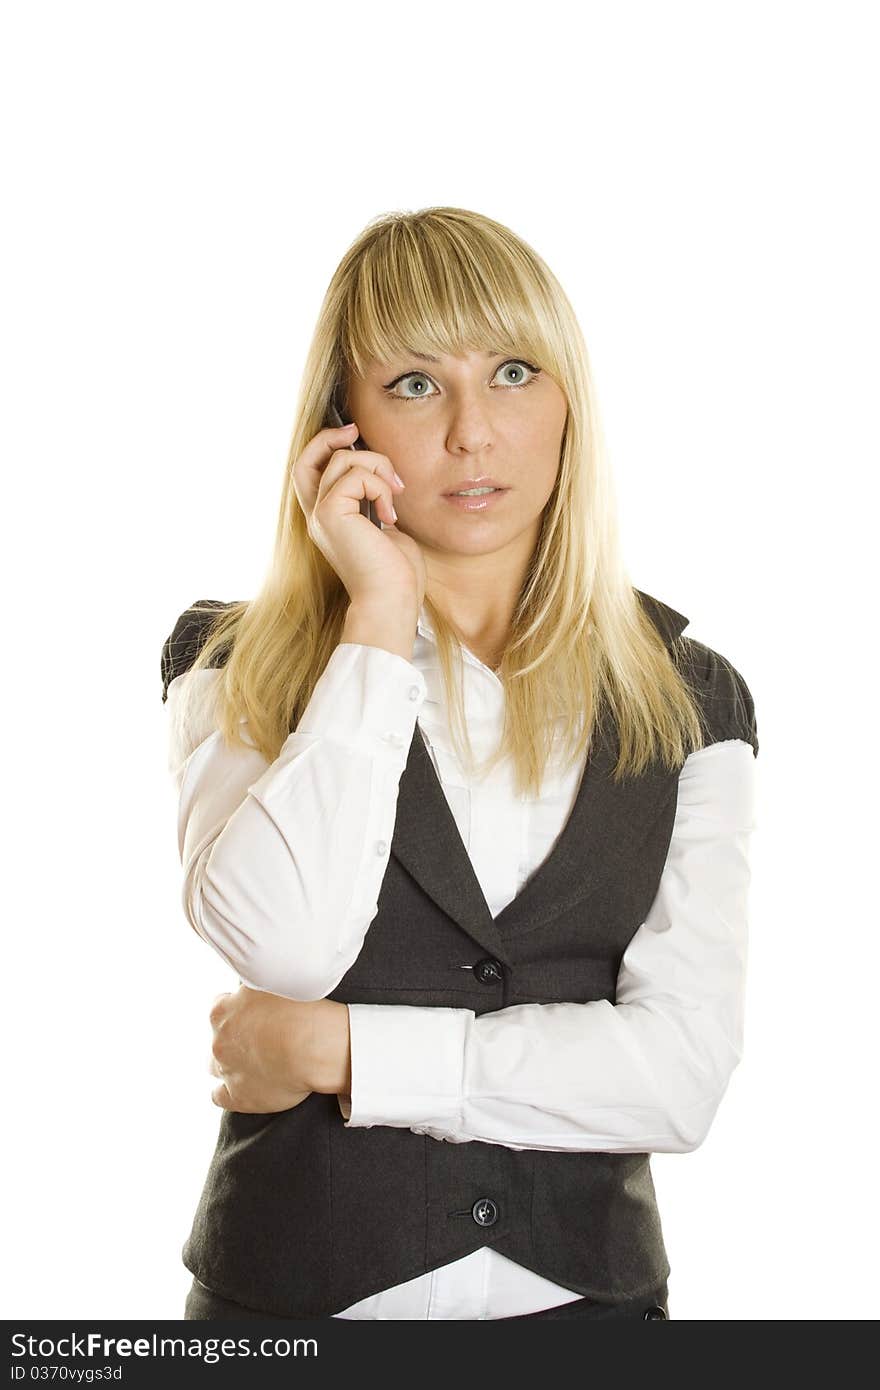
426,357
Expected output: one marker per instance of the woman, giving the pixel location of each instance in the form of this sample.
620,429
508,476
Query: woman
491,935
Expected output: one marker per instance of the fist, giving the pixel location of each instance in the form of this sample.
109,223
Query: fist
271,1052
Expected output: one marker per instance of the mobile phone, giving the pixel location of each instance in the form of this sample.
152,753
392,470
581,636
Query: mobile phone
368,507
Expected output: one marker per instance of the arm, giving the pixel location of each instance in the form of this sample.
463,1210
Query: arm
283,863
646,1073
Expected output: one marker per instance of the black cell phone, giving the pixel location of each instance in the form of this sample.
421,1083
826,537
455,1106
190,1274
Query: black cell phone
368,507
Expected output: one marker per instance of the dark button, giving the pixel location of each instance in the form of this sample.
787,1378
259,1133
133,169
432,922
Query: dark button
488,971
656,1312
484,1211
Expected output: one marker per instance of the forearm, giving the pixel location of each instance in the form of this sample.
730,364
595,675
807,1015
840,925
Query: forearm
390,625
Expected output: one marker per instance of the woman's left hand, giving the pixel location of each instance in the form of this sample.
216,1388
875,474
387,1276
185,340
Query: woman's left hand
271,1052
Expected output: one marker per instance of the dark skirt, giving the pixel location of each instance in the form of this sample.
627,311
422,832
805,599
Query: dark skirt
202,1303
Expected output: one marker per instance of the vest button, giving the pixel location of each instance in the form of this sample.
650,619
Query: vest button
484,1211
654,1313
488,971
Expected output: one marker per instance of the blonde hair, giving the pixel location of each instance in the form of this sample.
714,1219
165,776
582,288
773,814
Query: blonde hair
442,280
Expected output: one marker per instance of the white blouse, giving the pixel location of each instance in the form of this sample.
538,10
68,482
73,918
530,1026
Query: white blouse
282,868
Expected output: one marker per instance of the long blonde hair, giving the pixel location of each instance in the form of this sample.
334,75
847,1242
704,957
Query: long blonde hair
438,281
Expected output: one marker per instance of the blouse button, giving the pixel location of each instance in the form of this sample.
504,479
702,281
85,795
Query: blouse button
414,692
381,846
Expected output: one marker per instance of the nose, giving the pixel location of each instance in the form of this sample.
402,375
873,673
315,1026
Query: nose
470,427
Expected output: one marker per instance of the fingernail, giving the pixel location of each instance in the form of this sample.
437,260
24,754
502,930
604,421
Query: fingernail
393,513
400,481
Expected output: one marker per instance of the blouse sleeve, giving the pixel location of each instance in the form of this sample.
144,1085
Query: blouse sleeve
646,1073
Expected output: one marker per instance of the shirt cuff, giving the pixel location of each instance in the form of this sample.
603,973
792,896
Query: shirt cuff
368,699
407,1065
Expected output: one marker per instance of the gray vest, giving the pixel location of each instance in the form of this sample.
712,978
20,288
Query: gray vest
299,1216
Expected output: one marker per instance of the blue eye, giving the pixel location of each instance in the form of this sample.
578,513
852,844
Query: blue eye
511,386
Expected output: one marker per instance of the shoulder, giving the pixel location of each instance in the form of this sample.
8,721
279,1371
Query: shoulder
720,689
188,636
726,701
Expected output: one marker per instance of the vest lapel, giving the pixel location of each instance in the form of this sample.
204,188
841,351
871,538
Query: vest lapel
427,843
607,825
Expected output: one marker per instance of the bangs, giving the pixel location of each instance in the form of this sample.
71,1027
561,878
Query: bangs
437,287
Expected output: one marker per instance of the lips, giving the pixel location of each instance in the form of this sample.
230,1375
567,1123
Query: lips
468,485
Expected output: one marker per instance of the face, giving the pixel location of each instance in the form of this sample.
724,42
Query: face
444,422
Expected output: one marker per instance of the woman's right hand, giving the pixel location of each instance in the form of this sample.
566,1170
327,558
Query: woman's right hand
331,480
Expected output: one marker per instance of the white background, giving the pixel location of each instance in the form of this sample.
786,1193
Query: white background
180,182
